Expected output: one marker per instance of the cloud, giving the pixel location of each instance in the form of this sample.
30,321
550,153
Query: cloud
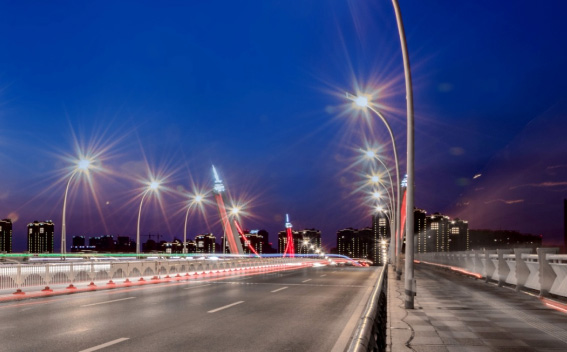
555,167
542,184
514,201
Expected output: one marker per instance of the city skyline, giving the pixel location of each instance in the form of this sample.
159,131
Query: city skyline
166,92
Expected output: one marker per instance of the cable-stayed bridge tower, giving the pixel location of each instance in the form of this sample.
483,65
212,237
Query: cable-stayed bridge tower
289,248
230,231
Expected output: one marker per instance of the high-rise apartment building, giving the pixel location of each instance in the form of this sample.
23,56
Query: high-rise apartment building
205,243
40,237
458,235
253,239
420,230
437,237
304,241
356,243
6,235
381,231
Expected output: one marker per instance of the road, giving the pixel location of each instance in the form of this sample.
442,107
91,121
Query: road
310,309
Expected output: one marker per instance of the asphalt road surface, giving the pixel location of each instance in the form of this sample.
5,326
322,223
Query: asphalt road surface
310,309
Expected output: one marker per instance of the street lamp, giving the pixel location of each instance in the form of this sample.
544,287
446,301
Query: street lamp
371,154
153,186
196,200
362,101
410,285
83,166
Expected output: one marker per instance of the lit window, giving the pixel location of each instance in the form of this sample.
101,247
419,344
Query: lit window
382,222
30,231
435,226
455,230
41,230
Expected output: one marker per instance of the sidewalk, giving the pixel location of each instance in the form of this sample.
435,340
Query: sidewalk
454,312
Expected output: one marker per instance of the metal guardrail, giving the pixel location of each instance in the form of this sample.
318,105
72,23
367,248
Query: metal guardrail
370,334
545,271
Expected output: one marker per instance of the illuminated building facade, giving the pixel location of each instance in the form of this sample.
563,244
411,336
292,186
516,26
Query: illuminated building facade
40,237
205,243
459,235
253,239
437,229
302,241
356,243
420,230
380,232
6,235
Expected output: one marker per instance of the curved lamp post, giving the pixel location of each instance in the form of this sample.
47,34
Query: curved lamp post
409,277
82,165
197,200
362,102
153,186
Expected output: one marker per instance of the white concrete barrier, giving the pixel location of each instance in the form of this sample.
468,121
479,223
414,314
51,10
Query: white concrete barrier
545,271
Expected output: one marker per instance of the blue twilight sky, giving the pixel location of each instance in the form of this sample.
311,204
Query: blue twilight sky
166,89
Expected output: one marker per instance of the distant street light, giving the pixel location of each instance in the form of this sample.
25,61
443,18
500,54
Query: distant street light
83,166
362,102
153,186
196,200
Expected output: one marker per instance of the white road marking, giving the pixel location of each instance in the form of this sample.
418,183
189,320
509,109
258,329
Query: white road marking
306,280
279,289
104,345
225,307
105,302
188,288
323,275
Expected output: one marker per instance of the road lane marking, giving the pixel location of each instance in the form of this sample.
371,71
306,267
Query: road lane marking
104,345
306,280
225,307
323,275
114,300
279,289
188,288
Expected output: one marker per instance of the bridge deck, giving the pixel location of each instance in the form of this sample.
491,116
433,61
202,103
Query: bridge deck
460,313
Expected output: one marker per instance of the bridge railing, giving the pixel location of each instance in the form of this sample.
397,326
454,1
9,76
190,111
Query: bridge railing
370,334
21,276
545,271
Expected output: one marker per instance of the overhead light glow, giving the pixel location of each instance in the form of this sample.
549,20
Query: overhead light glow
361,101
84,164
154,185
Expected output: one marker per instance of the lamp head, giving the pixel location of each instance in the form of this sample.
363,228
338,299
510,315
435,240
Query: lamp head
370,154
83,164
361,101
375,179
154,185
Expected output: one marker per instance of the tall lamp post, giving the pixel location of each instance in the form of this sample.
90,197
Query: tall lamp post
82,165
410,286
198,198
362,102
153,186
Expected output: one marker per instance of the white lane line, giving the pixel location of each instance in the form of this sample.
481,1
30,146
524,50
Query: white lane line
279,289
105,302
323,275
188,288
104,345
306,280
225,307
